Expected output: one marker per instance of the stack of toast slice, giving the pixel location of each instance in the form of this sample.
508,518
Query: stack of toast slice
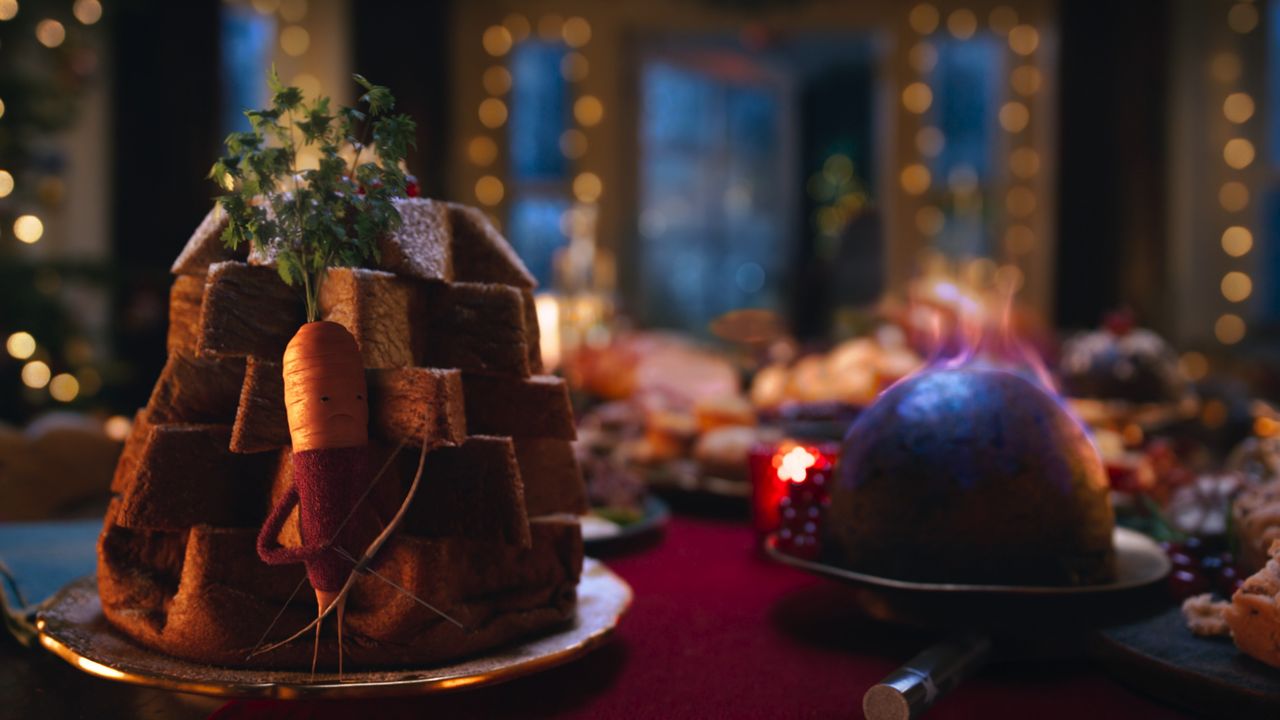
447,329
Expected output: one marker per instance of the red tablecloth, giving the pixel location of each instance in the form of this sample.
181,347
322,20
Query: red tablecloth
716,632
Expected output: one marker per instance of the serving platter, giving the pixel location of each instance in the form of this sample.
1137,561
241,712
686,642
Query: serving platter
71,626
1140,565
601,537
1161,657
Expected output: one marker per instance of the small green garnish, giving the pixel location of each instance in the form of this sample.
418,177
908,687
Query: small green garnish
332,215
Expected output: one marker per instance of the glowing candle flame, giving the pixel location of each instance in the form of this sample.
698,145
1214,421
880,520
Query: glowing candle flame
794,465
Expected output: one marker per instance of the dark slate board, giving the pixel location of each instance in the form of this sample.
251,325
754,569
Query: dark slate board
1207,676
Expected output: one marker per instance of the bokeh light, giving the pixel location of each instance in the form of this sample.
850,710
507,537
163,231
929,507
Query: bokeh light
1233,196
962,23
1238,153
482,151
923,18
8,9
1002,19
930,141
917,97
1236,286
295,40
576,32
1025,79
1237,241
1014,116
64,387
28,228
50,33
493,113
1229,329
35,374
20,345
573,143
87,12
574,67
588,110
496,80
587,187
1242,18
915,178
496,40
922,57
1024,162
6,183
1024,39
117,427
1194,365
518,25
1238,107
489,190
293,10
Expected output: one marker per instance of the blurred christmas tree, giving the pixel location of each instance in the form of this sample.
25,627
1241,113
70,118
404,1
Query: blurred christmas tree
49,58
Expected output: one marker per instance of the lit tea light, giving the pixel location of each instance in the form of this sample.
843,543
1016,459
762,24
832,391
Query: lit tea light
778,471
793,466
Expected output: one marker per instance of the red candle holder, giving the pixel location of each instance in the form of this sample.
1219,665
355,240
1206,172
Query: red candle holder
789,483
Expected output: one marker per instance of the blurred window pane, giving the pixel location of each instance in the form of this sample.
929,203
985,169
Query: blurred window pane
539,111
966,84
539,175
247,42
535,230
711,213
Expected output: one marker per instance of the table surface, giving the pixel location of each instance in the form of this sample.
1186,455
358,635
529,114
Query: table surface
718,632
715,632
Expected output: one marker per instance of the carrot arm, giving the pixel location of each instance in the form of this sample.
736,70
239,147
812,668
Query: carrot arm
269,547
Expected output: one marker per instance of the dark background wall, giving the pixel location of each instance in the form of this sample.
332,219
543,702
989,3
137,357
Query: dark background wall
1112,124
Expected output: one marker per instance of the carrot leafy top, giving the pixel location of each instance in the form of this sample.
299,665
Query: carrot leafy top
330,213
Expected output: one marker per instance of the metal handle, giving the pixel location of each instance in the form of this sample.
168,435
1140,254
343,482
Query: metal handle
913,688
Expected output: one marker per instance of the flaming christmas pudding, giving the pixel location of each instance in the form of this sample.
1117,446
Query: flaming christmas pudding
971,475
360,434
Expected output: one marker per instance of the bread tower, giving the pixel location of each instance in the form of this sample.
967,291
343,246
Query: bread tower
449,336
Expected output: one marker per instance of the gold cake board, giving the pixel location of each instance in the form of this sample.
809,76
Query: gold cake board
71,625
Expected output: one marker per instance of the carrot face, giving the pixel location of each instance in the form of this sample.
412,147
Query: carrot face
324,389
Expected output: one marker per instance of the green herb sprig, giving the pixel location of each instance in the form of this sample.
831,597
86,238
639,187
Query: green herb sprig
314,219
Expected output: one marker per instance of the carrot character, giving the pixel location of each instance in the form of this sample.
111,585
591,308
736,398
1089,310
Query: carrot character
326,401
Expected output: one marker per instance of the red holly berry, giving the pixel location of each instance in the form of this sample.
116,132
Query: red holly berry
1187,583
1229,581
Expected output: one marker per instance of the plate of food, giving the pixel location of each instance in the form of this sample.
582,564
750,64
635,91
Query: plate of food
271,519
969,486
71,626
1139,562
1122,374
1216,652
608,530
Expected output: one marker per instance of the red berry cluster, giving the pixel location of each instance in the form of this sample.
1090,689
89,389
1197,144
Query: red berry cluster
1201,567
803,508
411,188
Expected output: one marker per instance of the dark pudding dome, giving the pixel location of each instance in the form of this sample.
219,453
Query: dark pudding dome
1121,362
973,476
